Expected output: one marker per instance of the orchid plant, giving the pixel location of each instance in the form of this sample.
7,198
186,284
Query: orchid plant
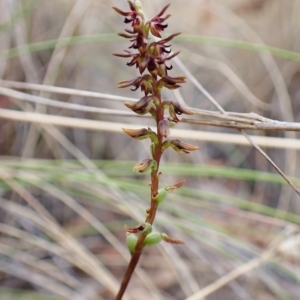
150,54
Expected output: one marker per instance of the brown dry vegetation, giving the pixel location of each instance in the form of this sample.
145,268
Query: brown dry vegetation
67,190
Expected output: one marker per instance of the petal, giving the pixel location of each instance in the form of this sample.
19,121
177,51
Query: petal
127,83
123,13
163,10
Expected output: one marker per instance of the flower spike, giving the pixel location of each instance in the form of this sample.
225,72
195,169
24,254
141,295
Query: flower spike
152,59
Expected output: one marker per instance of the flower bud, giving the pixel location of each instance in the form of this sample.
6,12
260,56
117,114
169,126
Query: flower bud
161,195
145,165
163,127
148,228
142,106
170,83
182,147
152,238
131,240
141,134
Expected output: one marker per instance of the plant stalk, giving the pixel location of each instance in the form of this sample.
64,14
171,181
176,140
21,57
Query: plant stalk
152,211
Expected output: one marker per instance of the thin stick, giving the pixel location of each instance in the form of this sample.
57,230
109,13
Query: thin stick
215,137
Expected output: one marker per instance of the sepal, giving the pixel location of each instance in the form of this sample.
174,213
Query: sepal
169,240
171,188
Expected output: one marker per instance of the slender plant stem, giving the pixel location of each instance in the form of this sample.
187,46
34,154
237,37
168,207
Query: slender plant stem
131,266
151,213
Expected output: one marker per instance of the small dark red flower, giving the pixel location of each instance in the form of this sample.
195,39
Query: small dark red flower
155,24
182,147
145,82
170,83
176,109
142,106
132,16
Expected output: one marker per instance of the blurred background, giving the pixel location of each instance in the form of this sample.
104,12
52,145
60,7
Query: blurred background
66,180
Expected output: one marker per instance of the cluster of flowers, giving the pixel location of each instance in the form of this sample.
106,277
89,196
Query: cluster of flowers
152,56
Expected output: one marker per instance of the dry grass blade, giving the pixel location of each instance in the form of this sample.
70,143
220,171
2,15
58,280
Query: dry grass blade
271,162
245,268
43,119
85,214
62,90
182,271
69,201
233,120
37,279
40,265
252,142
232,77
38,242
254,263
82,258
60,104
